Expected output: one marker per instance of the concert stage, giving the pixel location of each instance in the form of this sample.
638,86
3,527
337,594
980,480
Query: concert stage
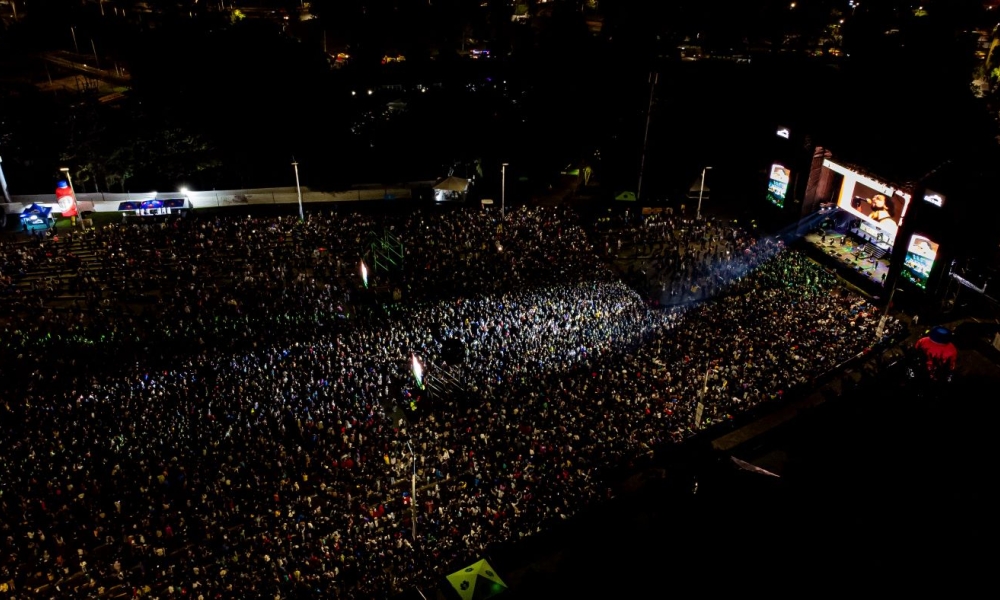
865,258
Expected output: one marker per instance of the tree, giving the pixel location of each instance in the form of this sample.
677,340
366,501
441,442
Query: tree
121,166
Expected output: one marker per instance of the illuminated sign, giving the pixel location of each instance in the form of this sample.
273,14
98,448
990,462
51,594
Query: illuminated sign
784,133
877,203
152,204
777,185
919,260
932,197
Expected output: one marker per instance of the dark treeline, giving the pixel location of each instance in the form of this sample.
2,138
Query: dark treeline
220,101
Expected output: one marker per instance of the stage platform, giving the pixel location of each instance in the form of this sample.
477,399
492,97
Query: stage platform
854,253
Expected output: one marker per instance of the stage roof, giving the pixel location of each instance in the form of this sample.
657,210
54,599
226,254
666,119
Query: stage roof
453,184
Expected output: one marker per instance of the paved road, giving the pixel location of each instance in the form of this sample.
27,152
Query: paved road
72,62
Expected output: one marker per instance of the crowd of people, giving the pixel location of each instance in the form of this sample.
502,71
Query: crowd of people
674,259
225,408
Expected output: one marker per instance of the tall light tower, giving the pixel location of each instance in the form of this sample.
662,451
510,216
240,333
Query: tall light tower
653,79
3,184
503,189
701,191
69,180
298,188
880,330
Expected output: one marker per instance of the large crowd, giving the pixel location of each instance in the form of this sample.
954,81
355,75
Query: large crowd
220,407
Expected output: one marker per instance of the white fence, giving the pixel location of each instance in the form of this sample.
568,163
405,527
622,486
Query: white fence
108,202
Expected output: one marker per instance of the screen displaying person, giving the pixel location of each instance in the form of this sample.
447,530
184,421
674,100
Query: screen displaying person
879,209
922,246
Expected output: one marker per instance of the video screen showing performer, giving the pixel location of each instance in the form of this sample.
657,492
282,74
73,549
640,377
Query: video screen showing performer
777,185
919,260
876,206
883,210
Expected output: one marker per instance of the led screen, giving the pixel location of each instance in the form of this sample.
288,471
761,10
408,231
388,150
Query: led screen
935,198
870,229
777,185
919,260
877,203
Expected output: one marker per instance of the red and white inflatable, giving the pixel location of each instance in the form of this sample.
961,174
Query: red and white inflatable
66,199
938,353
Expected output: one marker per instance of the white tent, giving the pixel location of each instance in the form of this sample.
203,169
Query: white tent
452,188
695,189
453,184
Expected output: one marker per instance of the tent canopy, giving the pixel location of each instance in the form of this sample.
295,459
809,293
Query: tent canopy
37,209
478,581
626,196
696,189
453,184
35,215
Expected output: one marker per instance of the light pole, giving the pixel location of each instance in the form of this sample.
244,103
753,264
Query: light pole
653,79
298,188
700,407
701,191
3,185
413,490
880,330
69,179
503,189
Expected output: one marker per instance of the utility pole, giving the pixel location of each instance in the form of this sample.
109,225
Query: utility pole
653,78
